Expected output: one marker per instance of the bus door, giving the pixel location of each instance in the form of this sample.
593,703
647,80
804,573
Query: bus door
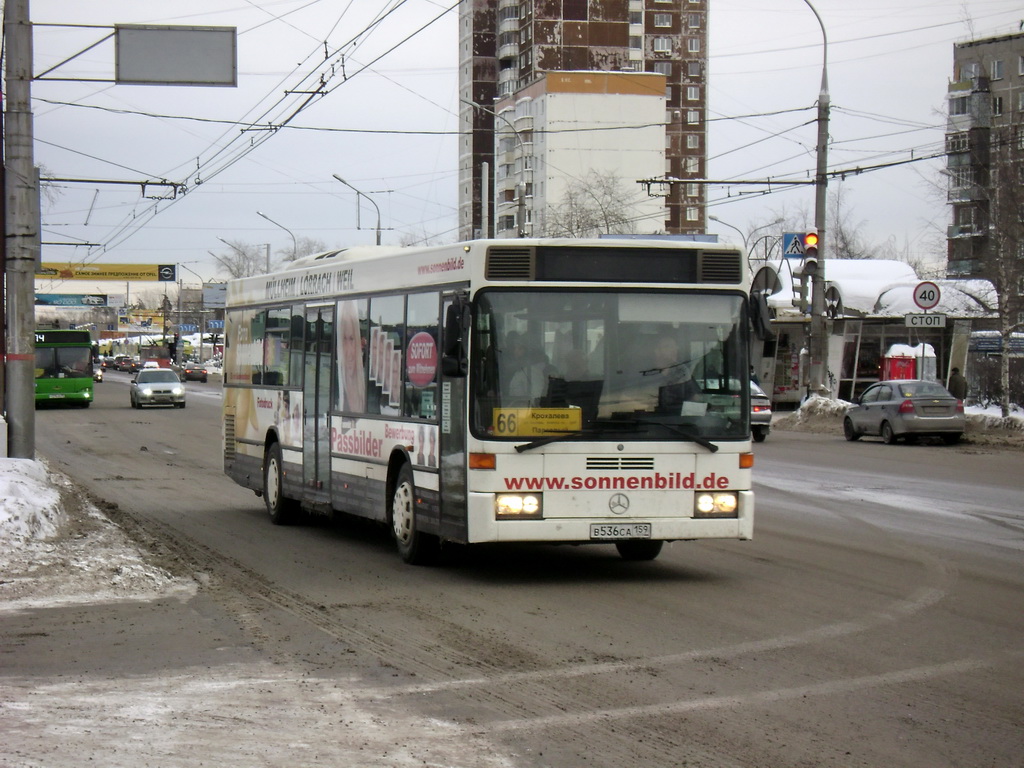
316,402
452,440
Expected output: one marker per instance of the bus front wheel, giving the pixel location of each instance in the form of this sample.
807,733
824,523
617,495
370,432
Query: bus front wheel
414,546
639,550
282,511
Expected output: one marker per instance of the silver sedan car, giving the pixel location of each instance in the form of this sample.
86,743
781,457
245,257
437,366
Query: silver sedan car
157,386
906,409
760,413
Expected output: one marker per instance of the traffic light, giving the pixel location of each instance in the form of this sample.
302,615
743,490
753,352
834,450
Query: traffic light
810,260
811,245
800,291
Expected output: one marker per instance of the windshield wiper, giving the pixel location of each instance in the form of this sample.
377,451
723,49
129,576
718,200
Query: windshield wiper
703,442
547,439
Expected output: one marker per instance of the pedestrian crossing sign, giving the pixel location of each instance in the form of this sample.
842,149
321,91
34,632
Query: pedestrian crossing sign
793,245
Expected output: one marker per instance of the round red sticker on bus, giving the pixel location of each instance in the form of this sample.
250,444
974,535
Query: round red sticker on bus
421,359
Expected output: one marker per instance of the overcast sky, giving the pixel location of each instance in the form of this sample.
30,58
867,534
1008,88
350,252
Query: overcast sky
388,120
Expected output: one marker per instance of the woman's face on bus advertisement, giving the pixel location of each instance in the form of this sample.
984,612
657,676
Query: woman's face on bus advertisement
351,359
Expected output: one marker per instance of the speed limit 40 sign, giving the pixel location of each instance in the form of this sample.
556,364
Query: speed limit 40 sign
926,295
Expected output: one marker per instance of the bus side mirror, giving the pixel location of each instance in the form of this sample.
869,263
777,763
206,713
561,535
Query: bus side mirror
760,316
455,360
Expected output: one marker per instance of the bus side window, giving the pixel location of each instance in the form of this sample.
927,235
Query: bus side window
387,339
421,355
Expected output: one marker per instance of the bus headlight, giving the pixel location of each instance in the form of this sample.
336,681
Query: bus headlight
518,506
715,505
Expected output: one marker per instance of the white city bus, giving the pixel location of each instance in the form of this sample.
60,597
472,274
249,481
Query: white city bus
575,391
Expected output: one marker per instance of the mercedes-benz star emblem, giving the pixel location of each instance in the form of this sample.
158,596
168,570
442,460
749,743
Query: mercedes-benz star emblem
618,504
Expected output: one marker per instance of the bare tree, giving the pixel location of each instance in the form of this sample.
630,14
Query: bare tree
243,260
1005,256
924,267
600,203
845,240
843,236
304,246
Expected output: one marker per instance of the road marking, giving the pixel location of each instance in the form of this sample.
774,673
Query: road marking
828,688
922,599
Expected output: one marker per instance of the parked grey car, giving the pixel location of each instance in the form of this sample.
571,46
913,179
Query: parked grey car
157,386
760,413
906,409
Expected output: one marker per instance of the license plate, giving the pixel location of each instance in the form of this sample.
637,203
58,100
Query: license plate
609,531
56,396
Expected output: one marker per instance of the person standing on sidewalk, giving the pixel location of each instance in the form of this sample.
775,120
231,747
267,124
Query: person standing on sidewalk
957,385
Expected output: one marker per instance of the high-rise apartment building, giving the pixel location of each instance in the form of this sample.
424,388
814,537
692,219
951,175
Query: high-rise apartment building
569,150
984,149
506,46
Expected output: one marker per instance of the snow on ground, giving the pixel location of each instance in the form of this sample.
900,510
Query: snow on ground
56,548
985,426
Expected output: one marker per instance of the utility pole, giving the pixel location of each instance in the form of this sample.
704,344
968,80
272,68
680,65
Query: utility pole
21,194
819,329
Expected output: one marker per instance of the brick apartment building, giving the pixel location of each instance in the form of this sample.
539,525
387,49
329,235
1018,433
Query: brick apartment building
506,46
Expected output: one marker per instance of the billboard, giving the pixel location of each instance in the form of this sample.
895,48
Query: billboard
175,55
215,295
71,300
165,273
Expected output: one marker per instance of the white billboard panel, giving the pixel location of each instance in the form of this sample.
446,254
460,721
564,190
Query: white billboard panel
175,55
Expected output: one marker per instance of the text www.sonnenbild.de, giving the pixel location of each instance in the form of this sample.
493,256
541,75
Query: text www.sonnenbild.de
670,481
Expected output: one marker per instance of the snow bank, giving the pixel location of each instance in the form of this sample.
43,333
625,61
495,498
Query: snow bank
56,548
30,507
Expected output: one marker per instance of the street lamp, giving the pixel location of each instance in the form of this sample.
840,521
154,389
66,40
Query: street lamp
746,237
295,247
730,226
818,346
520,185
201,307
358,193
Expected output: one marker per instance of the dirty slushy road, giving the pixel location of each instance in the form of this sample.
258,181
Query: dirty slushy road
875,620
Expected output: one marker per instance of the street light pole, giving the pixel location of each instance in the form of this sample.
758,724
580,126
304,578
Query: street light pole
201,307
819,336
358,193
746,237
730,226
520,184
295,247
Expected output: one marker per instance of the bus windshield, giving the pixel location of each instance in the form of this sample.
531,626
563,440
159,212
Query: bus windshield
63,362
655,364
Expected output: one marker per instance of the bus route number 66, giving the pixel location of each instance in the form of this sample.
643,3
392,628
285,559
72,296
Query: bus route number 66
506,422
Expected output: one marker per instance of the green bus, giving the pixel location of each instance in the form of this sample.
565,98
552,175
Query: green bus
64,366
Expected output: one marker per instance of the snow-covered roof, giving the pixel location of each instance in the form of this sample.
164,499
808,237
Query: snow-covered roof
885,288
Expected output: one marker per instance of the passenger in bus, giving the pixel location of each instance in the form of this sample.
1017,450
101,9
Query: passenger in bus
530,371
672,375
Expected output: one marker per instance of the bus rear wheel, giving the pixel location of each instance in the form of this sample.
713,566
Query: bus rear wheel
639,550
282,511
414,546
